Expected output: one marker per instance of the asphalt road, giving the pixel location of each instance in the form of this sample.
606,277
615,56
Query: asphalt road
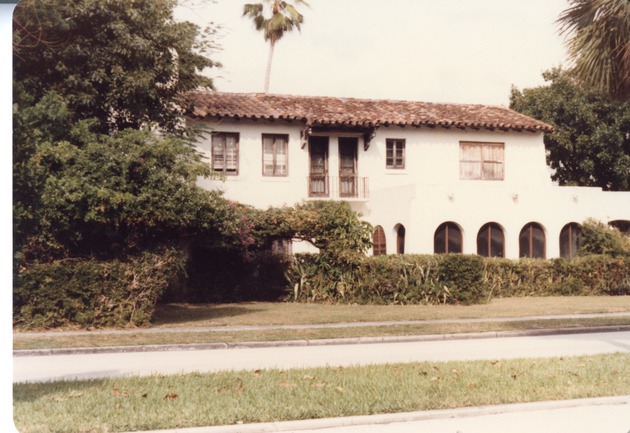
92,366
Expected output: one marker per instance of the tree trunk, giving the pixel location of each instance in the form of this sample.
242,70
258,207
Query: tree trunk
268,73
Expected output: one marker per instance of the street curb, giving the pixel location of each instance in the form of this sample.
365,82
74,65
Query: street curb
320,342
465,412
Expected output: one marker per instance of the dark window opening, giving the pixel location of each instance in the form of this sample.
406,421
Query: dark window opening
491,241
570,240
447,239
379,245
531,241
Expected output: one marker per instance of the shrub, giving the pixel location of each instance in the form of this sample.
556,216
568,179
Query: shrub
587,275
453,278
598,238
91,293
396,279
462,277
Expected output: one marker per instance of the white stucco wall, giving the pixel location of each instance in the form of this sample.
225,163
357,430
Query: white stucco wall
428,191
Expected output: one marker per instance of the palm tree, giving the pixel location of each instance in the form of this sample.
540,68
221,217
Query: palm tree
598,33
274,18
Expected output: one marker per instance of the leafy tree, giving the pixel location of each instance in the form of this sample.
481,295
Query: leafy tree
599,43
591,142
274,18
91,80
123,62
102,195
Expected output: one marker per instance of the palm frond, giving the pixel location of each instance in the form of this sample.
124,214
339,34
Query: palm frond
598,42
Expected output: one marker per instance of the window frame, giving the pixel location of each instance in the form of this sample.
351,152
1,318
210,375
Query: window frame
394,143
570,240
447,228
214,142
527,241
379,241
401,233
485,238
482,161
274,154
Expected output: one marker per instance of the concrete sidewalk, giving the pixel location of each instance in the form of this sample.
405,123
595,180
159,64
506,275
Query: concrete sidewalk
596,415
318,342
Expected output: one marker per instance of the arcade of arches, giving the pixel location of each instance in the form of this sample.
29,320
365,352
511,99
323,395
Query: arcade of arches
491,239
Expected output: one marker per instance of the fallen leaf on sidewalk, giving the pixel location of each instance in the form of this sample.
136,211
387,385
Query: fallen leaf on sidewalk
170,396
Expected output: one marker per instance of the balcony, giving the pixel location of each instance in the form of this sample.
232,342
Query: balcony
346,187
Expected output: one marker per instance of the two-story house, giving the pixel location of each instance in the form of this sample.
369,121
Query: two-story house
431,178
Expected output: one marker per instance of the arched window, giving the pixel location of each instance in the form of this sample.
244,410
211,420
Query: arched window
622,225
531,241
447,239
570,240
379,246
400,239
491,241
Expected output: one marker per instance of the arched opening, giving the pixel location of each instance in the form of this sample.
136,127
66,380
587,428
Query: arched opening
379,246
491,241
622,225
570,240
400,238
531,241
447,238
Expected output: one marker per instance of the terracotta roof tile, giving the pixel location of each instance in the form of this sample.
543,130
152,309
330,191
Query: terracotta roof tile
356,112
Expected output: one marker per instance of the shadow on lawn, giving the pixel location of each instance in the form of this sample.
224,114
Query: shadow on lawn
171,314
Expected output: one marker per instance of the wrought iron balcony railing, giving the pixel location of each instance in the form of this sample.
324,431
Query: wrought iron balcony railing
343,187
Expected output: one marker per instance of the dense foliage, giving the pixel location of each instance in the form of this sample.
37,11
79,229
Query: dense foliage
598,238
245,269
90,293
391,279
104,172
81,193
122,62
455,279
591,142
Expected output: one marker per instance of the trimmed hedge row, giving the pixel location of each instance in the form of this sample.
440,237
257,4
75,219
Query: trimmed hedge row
91,293
454,279
587,275
395,279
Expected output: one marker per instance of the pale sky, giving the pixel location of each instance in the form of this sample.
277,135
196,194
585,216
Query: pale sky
461,51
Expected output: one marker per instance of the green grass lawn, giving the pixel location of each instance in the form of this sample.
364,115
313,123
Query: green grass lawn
176,316
280,313
179,401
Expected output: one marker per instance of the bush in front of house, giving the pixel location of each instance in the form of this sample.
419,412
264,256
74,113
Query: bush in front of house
454,279
586,275
91,293
599,238
395,279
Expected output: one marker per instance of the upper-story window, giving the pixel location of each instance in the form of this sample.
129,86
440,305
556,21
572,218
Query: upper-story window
395,157
481,161
225,152
275,154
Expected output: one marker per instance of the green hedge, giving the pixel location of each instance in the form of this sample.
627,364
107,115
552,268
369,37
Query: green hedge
587,275
396,279
453,279
91,293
